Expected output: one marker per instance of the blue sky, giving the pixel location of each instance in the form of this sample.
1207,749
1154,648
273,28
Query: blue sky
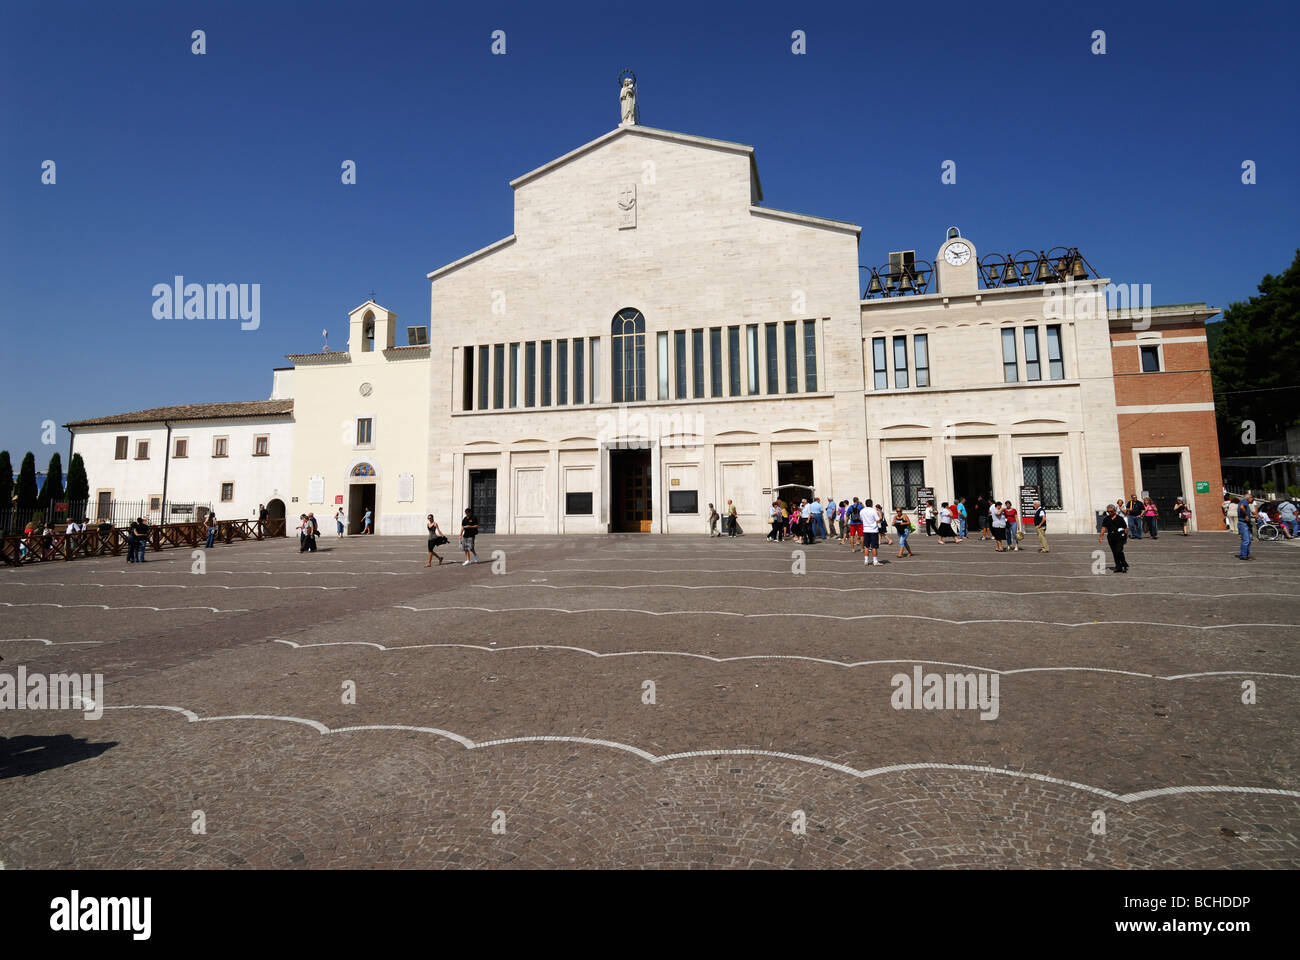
226,167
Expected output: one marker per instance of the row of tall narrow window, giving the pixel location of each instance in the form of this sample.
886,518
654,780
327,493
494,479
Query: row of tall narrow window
485,385
686,370
891,354
907,477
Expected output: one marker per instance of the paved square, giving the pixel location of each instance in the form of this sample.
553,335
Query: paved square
517,700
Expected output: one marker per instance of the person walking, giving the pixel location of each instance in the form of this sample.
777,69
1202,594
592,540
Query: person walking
713,521
983,507
903,525
884,524
261,519
945,524
302,533
855,512
733,520
963,528
338,522
468,531
1040,526
774,522
1288,513
366,521
142,538
816,520
829,515
1183,511
1245,513
928,515
1149,514
1134,510
998,521
870,534
436,539
1013,524
1114,529
212,529
313,528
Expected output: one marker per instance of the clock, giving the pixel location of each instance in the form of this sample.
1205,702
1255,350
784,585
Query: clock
957,253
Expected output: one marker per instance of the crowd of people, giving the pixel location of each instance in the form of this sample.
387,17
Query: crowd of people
863,525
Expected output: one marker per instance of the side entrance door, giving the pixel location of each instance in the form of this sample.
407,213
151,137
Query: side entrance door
483,499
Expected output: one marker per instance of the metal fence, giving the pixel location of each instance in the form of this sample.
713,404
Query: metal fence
119,513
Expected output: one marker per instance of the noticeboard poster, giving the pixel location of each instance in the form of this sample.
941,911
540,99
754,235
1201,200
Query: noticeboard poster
1027,497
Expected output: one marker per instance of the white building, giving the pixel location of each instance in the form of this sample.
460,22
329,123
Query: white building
363,427
233,456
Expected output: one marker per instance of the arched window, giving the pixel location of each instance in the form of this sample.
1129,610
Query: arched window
628,355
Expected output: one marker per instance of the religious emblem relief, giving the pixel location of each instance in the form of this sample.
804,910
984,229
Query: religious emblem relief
627,207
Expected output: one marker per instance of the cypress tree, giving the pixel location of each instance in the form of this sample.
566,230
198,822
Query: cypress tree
78,482
27,483
52,488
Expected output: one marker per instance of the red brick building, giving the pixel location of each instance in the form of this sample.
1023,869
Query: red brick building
1165,398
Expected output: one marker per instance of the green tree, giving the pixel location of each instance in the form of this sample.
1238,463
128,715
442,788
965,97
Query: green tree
78,482
52,488
6,481
27,483
1256,366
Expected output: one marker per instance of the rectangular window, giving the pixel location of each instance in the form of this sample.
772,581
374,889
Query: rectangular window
791,358
662,340
878,363
1045,474
679,364
219,446
810,355
483,377
530,374
498,376
900,362
921,356
365,431
119,448
142,449
751,345
514,375
773,359
155,502
733,361
1033,370
561,372
683,501
1009,355
262,446
182,448
467,387
579,371
715,361
697,362
1055,365
227,492
546,373
595,369
577,504
905,478
1150,359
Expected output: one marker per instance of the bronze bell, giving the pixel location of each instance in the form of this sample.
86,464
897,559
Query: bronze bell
1009,274
1078,269
906,283
1044,272
874,288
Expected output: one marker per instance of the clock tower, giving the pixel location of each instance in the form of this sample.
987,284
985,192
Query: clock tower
956,266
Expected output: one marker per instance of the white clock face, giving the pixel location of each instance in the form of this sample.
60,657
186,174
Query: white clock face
957,253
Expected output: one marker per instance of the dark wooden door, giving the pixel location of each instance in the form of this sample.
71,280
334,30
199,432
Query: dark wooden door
483,499
633,507
1162,478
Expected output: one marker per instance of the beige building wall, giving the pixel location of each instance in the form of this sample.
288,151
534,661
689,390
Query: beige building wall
376,380
969,409
701,254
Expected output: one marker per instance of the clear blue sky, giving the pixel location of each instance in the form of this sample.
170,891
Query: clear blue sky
226,167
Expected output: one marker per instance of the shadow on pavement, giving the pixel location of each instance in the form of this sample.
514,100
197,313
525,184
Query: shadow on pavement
24,756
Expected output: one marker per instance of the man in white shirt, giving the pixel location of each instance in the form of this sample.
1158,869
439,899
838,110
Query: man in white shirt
870,534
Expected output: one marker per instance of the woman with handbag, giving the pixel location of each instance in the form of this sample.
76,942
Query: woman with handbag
1149,514
1183,511
903,524
436,539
